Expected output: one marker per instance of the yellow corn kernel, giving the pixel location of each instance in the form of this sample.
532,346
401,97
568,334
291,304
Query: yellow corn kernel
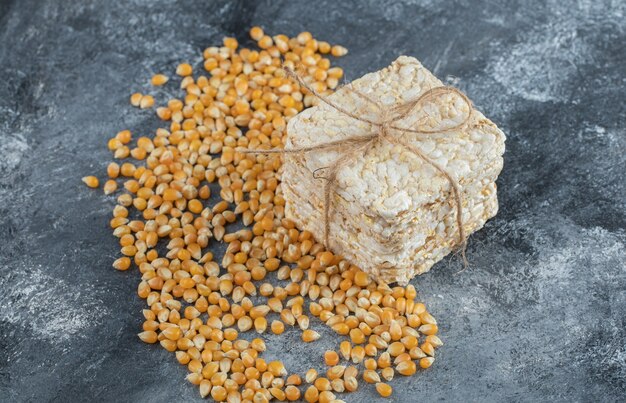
335,372
341,328
323,47
113,170
427,318
265,42
172,333
428,349
114,144
383,389
387,373
428,329
350,383
322,384
258,345
331,358
184,69
434,341
260,324
416,353
335,72
293,379
122,263
219,393
345,348
371,376
256,33
338,51
426,362
91,181
406,368
292,393
231,43
371,364
147,101
109,187
124,136
384,360
135,99
205,388
357,354
361,279
312,394
357,336
148,336
396,348
159,79
276,368
310,376
127,169
164,113
244,323
310,335
277,327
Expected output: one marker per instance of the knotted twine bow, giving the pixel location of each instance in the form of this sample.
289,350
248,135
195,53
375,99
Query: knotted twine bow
354,146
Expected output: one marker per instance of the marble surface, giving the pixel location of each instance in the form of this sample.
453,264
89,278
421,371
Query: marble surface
540,315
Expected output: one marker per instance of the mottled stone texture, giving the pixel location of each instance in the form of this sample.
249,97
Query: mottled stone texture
539,316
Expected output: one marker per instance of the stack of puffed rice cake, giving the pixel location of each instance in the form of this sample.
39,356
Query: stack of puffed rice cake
392,214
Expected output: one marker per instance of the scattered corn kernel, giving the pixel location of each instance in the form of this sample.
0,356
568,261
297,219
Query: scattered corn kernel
406,368
310,335
198,307
135,99
256,33
159,79
426,362
383,389
109,187
122,263
310,376
147,101
91,181
331,358
148,336
277,327
184,69
338,51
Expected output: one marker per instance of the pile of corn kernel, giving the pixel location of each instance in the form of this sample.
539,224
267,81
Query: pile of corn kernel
198,307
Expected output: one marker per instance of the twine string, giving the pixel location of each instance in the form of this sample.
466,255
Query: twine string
355,146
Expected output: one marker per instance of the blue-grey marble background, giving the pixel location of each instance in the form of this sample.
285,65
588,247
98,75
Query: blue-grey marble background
539,316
